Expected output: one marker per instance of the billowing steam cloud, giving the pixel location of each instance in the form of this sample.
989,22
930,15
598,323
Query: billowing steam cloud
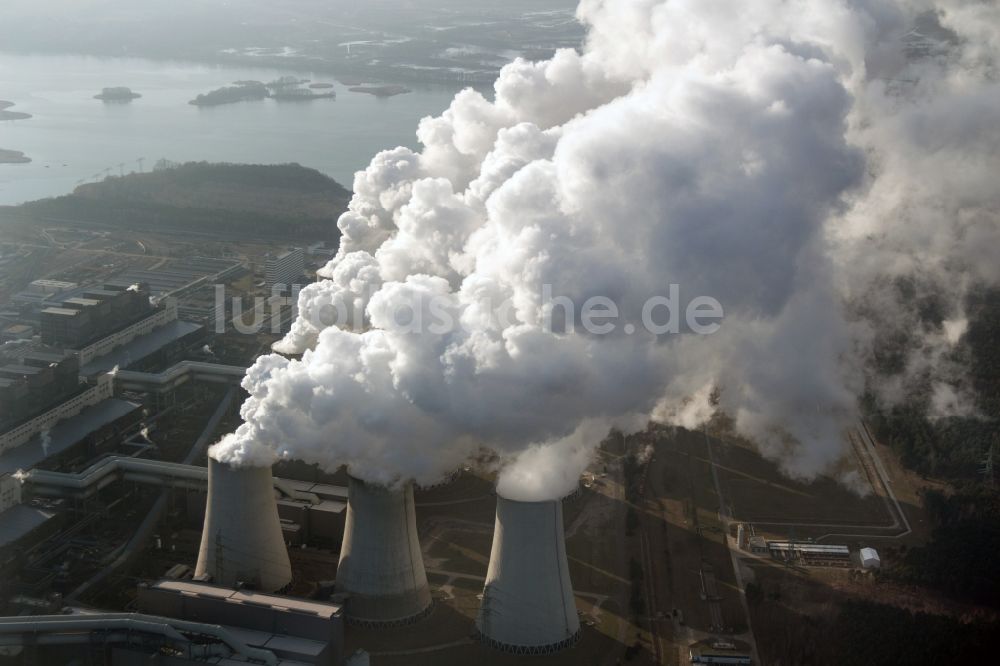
784,158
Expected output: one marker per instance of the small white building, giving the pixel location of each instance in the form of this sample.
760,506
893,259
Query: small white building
870,558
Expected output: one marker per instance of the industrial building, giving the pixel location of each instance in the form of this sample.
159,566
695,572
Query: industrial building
810,553
40,291
181,275
35,423
381,569
528,606
714,651
50,287
188,624
305,631
37,381
94,430
284,269
79,321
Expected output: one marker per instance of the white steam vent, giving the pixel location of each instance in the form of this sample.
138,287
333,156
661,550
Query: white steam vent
528,605
242,541
381,566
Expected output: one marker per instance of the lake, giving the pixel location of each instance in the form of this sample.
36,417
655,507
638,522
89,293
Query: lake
73,137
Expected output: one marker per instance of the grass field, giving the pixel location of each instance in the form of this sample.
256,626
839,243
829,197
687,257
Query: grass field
758,492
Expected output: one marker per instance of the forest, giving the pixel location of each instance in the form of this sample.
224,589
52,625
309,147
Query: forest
870,634
959,559
288,201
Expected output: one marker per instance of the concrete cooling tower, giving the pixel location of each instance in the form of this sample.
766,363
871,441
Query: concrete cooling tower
528,606
381,567
242,539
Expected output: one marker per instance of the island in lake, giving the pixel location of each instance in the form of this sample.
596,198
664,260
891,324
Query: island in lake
300,94
286,82
11,115
13,157
287,88
244,92
117,94
381,91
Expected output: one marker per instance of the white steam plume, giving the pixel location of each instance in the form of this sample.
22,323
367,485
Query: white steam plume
780,157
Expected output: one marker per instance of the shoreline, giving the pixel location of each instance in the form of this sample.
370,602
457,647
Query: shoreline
381,91
345,73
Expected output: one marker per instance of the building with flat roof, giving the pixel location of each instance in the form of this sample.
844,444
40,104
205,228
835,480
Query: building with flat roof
758,544
84,318
49,287
716,651
309,632
37,381
181,275
139,343
22,520
102,389
91,425
809,553
285,268
42,290
17,331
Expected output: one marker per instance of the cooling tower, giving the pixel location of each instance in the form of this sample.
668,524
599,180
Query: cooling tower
381,567
528,606
242,539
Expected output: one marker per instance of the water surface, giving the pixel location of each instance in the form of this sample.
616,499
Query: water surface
73,137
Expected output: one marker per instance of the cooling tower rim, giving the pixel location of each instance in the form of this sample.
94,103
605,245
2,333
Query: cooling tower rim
555,500
529,650
372,623
396,487
237,466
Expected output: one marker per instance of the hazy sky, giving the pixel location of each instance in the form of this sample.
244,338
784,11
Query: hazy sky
97,10
202,28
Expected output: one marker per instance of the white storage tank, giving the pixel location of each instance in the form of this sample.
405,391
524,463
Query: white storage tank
870,558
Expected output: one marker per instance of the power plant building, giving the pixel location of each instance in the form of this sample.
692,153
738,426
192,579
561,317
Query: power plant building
79,321
284,269
35,422
298,630
381,569
528,606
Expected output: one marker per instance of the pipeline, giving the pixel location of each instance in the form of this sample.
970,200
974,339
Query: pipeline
151,472
77,629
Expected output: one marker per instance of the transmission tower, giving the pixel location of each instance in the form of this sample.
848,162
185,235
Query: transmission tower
987,466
